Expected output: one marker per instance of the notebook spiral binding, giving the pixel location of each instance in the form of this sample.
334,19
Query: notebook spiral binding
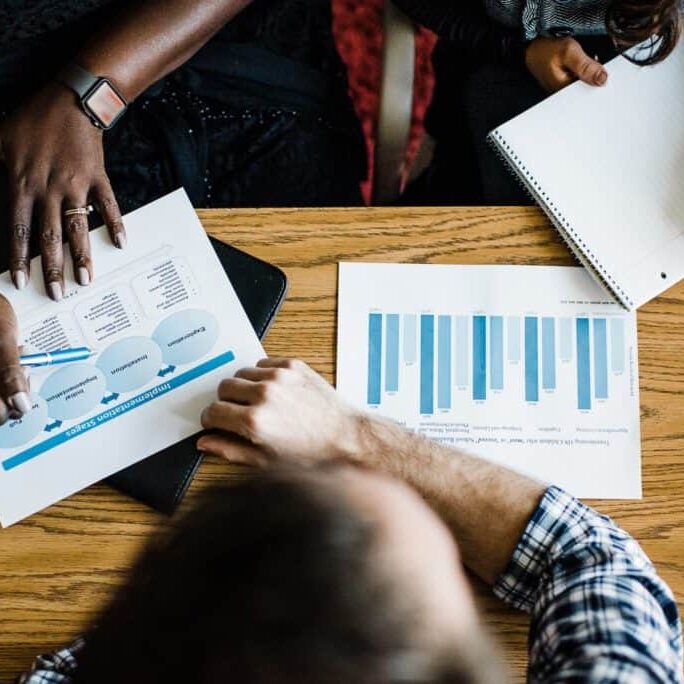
576,245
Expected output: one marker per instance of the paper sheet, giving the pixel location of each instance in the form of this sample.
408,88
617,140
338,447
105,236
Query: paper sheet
532,367
166,325
608,164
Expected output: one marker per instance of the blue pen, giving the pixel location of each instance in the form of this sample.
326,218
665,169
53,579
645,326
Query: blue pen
56,357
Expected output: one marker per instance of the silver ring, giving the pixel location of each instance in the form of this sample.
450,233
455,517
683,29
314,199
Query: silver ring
79,211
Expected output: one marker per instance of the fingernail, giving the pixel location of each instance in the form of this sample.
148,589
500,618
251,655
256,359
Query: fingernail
121,240
21,402
19,279
602,77
83,276
55,290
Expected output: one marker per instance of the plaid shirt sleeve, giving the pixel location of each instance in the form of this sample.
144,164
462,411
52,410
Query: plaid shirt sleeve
56,667
600,613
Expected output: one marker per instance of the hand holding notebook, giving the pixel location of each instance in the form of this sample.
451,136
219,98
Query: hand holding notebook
607,166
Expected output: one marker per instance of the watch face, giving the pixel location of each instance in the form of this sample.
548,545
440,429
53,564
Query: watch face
105,104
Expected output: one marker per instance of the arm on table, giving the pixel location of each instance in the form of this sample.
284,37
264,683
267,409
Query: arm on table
600,612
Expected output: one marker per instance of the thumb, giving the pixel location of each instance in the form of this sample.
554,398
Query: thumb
586,69
13,383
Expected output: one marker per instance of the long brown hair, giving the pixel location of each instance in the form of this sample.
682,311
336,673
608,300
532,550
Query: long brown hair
658,23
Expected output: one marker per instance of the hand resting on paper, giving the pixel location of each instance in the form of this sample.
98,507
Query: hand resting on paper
558,62
14,399
54,160
281,410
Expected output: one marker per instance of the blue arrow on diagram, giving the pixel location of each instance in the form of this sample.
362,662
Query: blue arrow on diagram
109,398
53,426
166,371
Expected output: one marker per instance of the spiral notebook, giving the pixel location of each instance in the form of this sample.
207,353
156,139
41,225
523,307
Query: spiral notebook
607,166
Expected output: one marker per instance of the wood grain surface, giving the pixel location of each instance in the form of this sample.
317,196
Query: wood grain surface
57,567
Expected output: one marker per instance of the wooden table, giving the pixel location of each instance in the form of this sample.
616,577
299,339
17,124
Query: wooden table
57,567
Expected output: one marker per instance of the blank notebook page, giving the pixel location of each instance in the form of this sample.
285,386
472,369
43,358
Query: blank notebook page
608,164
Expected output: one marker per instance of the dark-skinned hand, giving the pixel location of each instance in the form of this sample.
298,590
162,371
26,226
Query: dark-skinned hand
54,160
14,397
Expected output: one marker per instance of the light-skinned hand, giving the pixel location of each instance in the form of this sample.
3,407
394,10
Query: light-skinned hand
280,410
558,62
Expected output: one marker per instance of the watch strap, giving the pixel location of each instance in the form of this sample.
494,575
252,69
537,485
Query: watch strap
77,78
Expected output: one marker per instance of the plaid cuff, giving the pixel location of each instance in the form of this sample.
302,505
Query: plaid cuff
56,667
546,531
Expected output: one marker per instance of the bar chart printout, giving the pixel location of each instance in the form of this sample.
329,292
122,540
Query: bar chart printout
545,382
437,378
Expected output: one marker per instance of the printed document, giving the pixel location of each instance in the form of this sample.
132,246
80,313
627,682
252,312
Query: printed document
529,366
166,326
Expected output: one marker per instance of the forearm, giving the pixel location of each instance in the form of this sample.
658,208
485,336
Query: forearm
466,25
152,38
486,506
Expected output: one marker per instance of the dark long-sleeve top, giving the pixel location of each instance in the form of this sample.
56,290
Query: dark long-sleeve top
497,31
466,23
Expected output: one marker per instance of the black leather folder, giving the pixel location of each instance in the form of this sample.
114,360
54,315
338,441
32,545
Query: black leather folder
161,480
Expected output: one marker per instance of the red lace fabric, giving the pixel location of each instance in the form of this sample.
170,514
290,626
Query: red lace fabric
358,33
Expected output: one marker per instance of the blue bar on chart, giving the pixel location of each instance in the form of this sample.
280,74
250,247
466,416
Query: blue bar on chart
600,359
479,358
462,351
392,353
444,362
548,353
566,339
583,365
410,338
513,338
496,352
374,357
617,345
427,364
531,359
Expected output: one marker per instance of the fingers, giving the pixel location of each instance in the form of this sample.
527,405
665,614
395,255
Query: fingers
109,209
560,78
21,207
232,449
240,391
228,417
258,374
76,227
52,251
274,369
586,69
14,388
278,362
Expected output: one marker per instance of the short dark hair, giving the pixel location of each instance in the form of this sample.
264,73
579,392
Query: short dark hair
270,581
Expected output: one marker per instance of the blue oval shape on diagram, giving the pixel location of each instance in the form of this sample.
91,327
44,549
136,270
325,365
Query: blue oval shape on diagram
130,363
186,336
